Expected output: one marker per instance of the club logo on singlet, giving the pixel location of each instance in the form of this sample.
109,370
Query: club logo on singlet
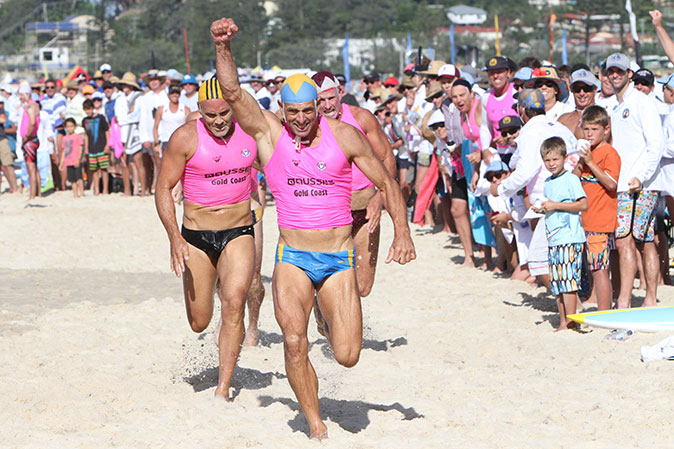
245,152
321,165
296,162
217,158
626,113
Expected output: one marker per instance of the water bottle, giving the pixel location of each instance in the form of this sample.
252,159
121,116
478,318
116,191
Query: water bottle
619,335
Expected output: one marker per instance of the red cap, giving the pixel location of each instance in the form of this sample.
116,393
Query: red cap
391,81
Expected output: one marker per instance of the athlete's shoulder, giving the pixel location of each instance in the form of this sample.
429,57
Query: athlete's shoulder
362,115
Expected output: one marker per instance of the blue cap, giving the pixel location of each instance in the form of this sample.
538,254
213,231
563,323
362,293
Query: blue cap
496,166
467,76
523,74
189,79
298,88
667,81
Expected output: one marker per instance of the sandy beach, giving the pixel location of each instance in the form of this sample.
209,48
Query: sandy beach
97,352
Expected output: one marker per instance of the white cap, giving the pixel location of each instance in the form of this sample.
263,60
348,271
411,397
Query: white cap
448,70
105,67
24,87
436,117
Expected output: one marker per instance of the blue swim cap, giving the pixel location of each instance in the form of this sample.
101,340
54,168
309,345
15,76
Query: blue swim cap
298,88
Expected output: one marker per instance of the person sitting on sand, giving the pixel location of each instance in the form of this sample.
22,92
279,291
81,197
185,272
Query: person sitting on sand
565,199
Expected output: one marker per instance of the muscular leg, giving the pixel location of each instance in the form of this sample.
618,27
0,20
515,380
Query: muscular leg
235,272
255,294
628,268
460,213
8,171
340,305
33,179
367,249
651,268
293,295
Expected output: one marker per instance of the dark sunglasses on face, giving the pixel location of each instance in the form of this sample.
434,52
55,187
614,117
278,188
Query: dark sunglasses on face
50,87
518,86
582,87
509,131
642,83
493,175
539,84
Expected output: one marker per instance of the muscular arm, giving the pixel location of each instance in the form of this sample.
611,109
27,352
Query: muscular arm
180,146
663,37
376,137
357,150
32,112
246,109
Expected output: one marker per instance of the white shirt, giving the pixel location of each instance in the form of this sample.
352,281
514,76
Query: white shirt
607,103
530,171
558,109
638,138
190,102
667,160
147,105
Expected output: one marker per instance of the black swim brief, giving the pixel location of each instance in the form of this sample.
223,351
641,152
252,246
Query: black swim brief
213,242
359,218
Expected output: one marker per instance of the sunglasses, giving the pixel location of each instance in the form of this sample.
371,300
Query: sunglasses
518,86
50,87
642,83
582,88
493,175
539,84
437,126
509,131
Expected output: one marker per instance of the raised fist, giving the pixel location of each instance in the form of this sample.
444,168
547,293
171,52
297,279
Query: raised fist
223,30
656,17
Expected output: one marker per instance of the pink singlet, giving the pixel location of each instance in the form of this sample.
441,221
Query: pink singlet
219,171
25,121
469,125
497,109
359,181
311,185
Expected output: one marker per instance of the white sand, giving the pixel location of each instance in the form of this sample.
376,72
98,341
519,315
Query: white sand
97,352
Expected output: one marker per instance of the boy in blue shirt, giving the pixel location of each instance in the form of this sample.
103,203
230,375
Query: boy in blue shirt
566,237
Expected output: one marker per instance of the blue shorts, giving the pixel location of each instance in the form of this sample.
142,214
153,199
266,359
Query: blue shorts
318,266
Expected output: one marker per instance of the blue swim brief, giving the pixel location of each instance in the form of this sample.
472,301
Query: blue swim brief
318,266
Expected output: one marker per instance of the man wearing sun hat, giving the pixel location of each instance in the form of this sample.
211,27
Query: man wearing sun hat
307,161
638,138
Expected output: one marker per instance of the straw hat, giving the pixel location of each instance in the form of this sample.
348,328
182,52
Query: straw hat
386,96
433,68
73,84
97,75
548,74
433,91
129,79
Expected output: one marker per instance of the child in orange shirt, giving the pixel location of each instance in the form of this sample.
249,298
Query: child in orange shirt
599,168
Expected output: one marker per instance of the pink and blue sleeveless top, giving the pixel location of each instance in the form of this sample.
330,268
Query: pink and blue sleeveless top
219,172
358,179
311,185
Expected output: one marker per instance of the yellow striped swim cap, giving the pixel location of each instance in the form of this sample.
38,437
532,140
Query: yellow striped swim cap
210,90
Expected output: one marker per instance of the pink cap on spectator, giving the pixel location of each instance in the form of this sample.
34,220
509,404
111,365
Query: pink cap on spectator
409,68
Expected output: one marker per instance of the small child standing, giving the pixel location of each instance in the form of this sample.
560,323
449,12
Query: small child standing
97,148
565,200
71,157
598,169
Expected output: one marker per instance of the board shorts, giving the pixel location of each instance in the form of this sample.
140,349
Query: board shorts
636,215
566,267
6,156
318,266
599,246
98,161
214,242
74,173
29,149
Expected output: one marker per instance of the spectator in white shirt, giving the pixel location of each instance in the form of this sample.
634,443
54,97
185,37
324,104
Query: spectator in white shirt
638,138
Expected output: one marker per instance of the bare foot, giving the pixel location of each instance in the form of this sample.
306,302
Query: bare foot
222,394
251,336
321,433
469,262
568,325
